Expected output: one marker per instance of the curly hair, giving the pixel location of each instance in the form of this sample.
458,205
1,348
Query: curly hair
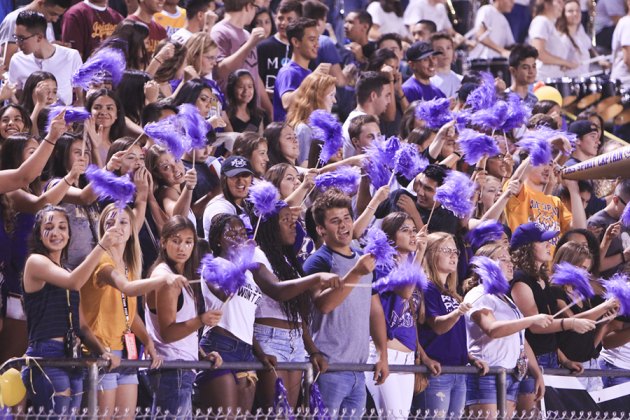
523,259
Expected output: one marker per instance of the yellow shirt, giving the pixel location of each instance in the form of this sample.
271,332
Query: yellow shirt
547,211
102,309
171,22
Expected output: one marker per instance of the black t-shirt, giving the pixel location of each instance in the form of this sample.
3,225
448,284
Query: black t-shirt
546,304
272,55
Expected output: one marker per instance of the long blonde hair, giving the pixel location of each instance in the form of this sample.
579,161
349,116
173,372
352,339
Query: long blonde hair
435,241
309,97
132,256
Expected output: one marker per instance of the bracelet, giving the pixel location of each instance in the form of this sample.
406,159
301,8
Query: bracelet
48,141
562,324
66,181
456,153
189,189
157,59
315,353
371,208
99,244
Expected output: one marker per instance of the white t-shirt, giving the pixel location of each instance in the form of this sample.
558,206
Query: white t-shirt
348,147
239,313
62,64
7,28
388,22
619,356
448,82
545,29
605,9
421,9
186,348
181,35
621,38
217,205
579,56
269,307
504,351
499,32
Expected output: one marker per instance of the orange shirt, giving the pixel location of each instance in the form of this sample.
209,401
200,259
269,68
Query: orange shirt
102,308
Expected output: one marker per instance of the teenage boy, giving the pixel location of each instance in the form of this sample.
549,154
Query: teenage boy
303,37
421,58
237,47
195,20
275,51
587,143
343,319
445,79
38,54
373,93
359,48
522,63
172,17
144,14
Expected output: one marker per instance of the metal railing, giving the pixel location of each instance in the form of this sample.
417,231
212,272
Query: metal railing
93,365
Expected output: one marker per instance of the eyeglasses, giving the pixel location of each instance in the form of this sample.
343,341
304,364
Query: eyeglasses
449,251
20,39
622,200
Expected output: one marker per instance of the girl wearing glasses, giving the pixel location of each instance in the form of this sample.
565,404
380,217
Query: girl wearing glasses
442,333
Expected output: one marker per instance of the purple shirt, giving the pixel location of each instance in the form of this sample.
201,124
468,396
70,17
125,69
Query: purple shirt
414,91
399,319
289,79
229,39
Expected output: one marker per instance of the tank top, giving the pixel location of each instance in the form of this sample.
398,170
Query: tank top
185,348
47,312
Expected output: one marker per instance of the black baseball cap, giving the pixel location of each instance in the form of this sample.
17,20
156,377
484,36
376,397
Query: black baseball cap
530,233
236,165
420,50
582,127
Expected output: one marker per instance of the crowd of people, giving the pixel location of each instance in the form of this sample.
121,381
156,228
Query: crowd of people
83,276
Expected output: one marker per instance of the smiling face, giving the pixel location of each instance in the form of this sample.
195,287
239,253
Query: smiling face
572,13
289,146
179,247
289,183
423,69
132,160
169,171
54,231
11,122
239,186
330,99
29,148
259,159
425,188
120,220
337,229
104,111
308,45
234,234
405,240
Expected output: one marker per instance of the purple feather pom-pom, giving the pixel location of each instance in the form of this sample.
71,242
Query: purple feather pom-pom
194,125
377,163
476,145
326,128
107,185
408,162
491,118
316,404
345,178
281,404
263,195
491,275
169,134
73,114
456,194
108,60
380,247
484,96
405,274
517,113
617,287
222,273
537,147
435,113
390,147
625,217
577,277
485,232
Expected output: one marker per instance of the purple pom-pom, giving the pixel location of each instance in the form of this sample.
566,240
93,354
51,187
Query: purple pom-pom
316,404
326,128
485,232
577,277
617,287
435,113
345,178
390,147
169,133
107,185
377,163
491,275
476,145
484,96
73,114
263,195
222,273
194,125
408,162
380,247
108,60
490,118
405,274
537,147
281,405
625,216
456,194
517,113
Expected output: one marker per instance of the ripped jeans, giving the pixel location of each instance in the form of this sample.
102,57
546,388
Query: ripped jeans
57,390
444,397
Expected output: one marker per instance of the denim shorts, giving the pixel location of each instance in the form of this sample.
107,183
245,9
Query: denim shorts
611,380
116,377
172,391
231,350
286,345
483,389
545,360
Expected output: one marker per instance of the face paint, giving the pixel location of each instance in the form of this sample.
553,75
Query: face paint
49,218
47,232
112,215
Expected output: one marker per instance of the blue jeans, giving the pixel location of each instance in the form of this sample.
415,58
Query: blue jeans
172,392
45,391
483,389
343,393
445,395
611,380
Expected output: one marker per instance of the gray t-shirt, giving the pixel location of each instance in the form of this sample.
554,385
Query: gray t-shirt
343,334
